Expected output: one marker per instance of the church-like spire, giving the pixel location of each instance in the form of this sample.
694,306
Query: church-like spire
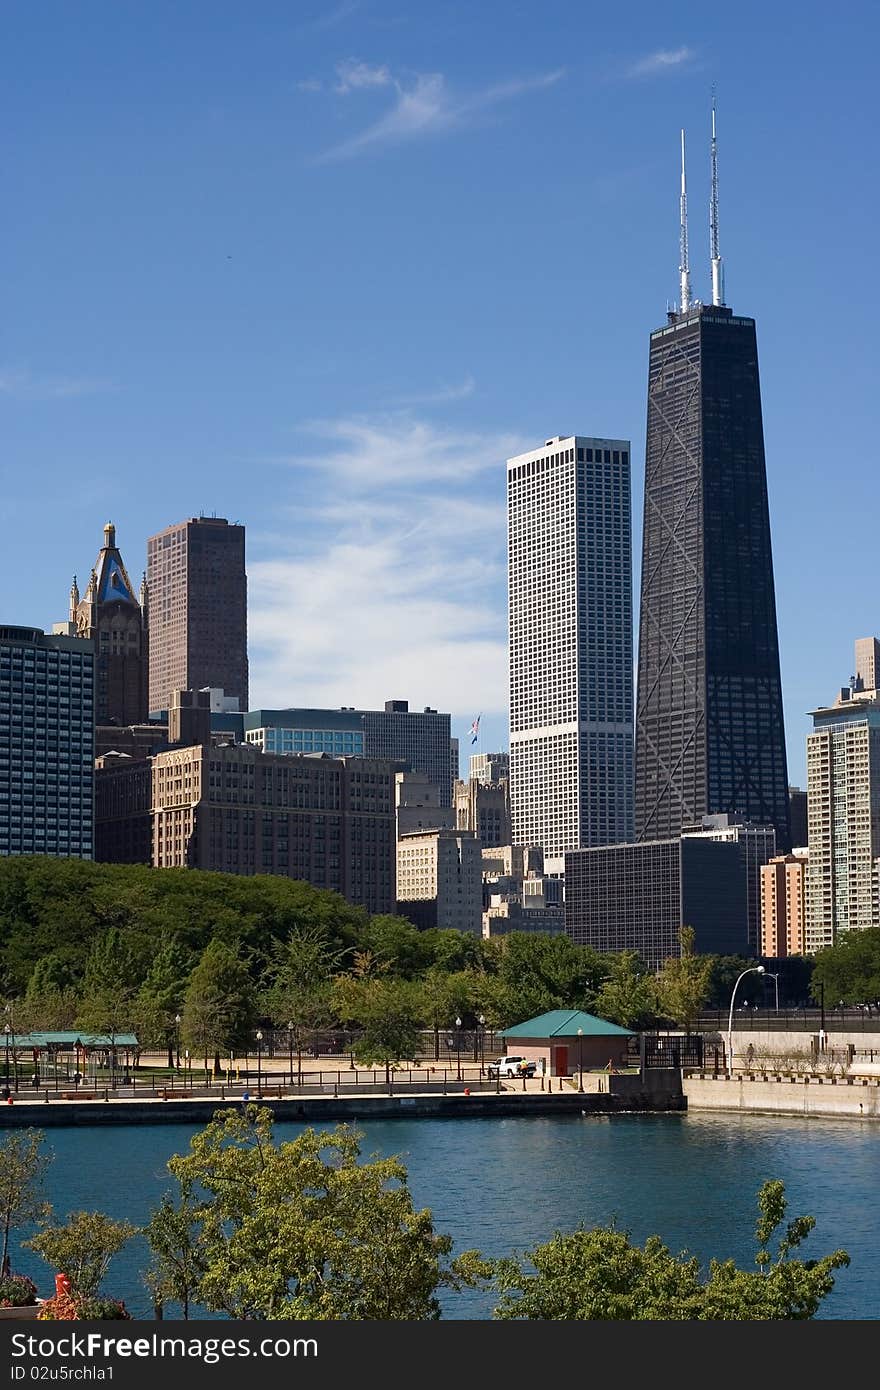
74,599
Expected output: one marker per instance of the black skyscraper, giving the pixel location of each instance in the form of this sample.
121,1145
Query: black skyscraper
709,724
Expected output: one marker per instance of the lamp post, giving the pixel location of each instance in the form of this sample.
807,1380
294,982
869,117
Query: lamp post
290,1050
481,1034
580,1059
775,978
259,1062
6,1037
752,970
458,1046
187,1069
177,1040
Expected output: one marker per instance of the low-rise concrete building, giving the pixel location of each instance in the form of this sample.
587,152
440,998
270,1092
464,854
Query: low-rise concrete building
566,1042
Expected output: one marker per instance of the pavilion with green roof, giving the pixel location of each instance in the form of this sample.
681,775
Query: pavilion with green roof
564,1041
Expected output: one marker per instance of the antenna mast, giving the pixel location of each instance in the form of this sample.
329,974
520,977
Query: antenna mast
717,267
683,267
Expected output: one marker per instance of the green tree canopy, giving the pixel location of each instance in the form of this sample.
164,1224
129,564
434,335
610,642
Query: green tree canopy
23,1165
388,1013
850,969
628,996
600,1274
683,984
305,1230
82,1248
219,1011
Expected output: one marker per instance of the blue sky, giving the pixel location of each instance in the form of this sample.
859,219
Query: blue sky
320,267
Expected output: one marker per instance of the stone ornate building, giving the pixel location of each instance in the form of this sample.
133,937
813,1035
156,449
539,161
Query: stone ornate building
114,619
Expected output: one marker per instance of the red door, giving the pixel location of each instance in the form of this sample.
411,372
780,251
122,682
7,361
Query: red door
560,1058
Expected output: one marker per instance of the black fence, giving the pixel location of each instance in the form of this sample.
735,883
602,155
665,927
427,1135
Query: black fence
845,1018
671,1050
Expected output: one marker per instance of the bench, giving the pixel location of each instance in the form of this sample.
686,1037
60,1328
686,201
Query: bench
79,1095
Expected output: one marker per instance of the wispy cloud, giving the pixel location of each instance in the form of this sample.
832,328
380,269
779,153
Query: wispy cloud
443,395
23,384
664,60
353,76
310,84
395,584
427,106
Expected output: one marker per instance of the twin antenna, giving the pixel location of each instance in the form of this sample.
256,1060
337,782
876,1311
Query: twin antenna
684,271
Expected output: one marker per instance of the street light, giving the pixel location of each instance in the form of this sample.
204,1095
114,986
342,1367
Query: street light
580,1059
177,1039
259,1057
752,970
6,1036
775,978
290,1051
481,1034
458,1045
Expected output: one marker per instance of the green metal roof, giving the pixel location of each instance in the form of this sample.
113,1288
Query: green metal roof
68,1038
565,1023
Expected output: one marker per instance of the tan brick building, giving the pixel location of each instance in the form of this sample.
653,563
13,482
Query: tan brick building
783,906
328,821
439,879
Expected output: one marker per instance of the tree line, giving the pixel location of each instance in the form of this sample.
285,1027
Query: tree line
202,959
304,1229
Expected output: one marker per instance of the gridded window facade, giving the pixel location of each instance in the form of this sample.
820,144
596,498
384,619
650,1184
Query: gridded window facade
197,613
47,742
709,723
570,614
843,810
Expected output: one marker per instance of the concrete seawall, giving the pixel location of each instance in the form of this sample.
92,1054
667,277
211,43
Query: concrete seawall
842,1098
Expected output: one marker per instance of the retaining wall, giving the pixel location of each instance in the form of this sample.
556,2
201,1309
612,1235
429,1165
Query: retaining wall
847,1097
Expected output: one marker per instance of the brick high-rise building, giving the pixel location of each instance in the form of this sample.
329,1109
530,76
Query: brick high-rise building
110,615
329,821
197,609
783,906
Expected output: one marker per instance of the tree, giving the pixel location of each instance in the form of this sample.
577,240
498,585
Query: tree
23,1168
305,1230
441,997
82,1248
600,1275
683,983
849,970
629,996
388,1014
298,996
109,987
219,1010
178,1264
162,993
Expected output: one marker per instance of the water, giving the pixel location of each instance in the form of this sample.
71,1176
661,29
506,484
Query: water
504,1185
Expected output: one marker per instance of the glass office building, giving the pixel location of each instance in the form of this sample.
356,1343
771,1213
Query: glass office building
47,742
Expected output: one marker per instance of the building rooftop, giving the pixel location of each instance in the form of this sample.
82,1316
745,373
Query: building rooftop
565,1023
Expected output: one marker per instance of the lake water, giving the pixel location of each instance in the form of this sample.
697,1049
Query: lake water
504,1185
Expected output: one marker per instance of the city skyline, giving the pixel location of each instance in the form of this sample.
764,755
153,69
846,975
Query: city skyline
252,303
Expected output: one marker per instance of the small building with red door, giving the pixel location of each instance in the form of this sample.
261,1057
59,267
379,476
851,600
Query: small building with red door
566,1041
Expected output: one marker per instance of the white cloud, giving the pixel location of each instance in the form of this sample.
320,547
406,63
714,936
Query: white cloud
310,84
428,107
23,384
354,75
389,581
664,60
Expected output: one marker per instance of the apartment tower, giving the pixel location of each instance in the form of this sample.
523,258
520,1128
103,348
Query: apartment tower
570,614
709,724
197,610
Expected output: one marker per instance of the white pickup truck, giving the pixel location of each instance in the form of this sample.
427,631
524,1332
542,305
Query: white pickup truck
512,1066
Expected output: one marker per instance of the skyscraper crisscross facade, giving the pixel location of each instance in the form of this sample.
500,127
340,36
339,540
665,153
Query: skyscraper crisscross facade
709,724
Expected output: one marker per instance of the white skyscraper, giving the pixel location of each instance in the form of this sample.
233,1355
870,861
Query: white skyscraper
571,660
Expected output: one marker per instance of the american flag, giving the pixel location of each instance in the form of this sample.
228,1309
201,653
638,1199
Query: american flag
475,729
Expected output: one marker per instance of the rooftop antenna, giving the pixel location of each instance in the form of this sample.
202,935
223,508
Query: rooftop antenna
717,267
684,268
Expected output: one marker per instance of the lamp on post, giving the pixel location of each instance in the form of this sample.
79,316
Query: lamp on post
775,978
458,1046
187,1071
177,1040
580,1059
290,1050
481,1035
752,970
259,1062
6,1037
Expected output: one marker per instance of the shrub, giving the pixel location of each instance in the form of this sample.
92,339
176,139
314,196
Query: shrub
64,1307
17,1291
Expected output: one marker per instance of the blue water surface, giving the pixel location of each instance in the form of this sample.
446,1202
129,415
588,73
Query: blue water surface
504,1185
